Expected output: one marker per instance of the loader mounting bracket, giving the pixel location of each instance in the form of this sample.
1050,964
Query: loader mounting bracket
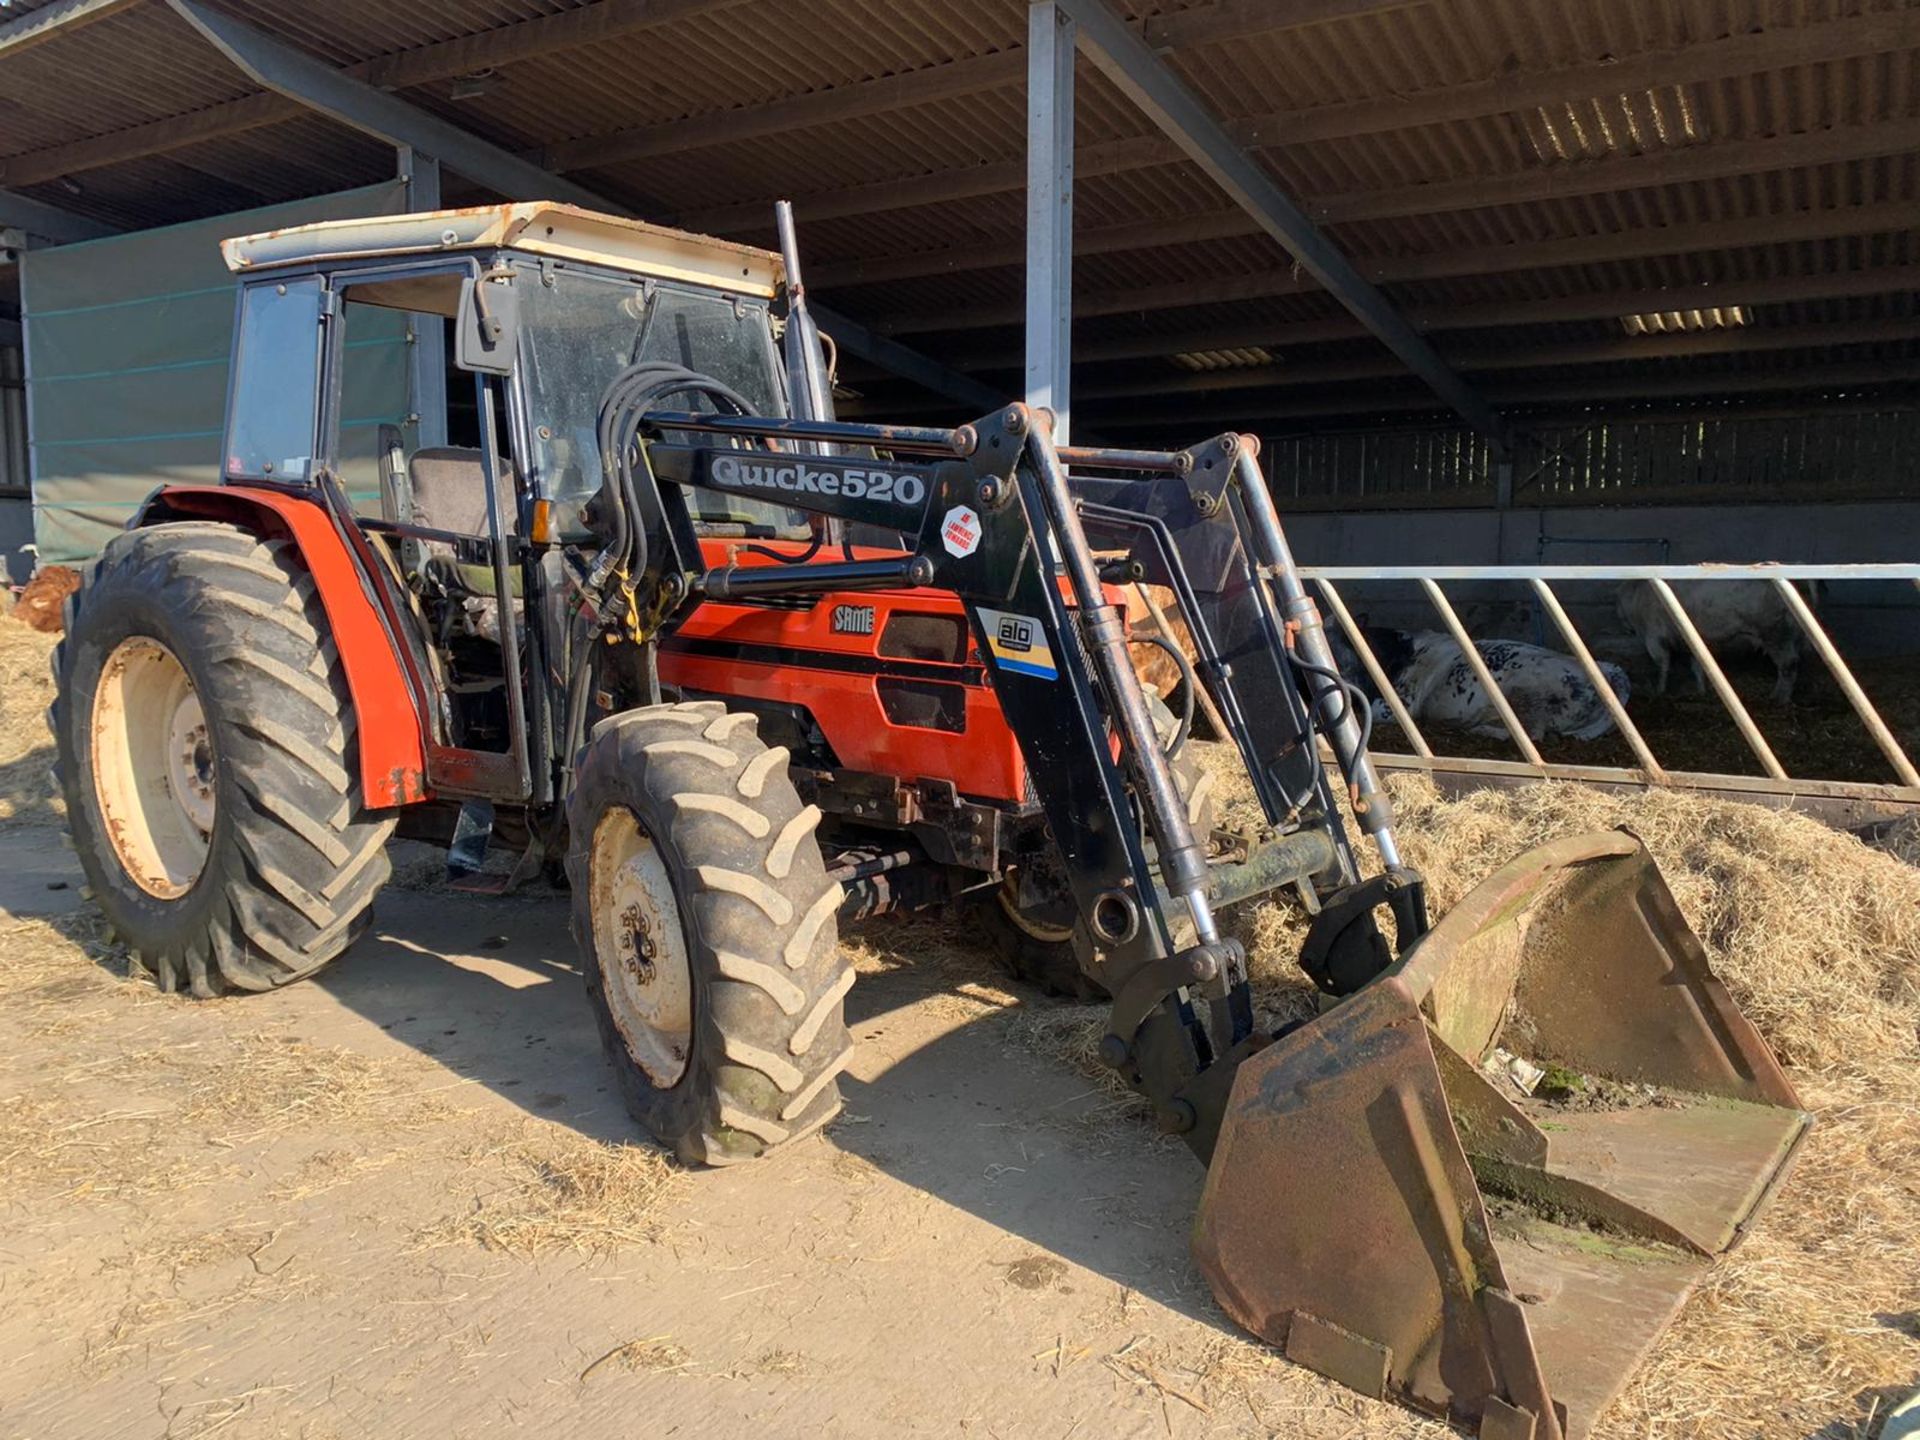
1344,949
1154,981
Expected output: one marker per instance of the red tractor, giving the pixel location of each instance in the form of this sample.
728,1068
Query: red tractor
751,671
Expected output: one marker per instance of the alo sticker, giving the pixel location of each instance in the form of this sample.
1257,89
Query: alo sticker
1019,644
960,531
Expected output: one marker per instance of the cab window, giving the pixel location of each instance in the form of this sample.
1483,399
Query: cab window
274,394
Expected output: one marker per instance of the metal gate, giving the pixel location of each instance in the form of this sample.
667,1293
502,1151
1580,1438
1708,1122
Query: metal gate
1838,799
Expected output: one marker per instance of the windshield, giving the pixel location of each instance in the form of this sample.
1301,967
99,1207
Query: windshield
583,329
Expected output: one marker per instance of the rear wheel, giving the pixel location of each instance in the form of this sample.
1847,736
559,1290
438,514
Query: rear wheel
708,929
206,751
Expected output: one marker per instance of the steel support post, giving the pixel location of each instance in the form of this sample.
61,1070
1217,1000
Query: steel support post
1050,52
426,334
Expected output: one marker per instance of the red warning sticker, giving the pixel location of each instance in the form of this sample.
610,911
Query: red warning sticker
960,531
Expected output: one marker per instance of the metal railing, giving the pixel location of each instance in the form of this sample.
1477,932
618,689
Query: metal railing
1839,799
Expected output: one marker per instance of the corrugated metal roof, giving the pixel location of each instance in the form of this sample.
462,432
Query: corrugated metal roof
1484,68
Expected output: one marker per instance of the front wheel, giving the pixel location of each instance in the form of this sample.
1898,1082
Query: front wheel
1032,927
709,932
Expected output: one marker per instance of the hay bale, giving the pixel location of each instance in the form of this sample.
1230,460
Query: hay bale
1816,933
43,598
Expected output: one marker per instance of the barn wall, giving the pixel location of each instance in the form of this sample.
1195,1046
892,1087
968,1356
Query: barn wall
1840,451
1886,532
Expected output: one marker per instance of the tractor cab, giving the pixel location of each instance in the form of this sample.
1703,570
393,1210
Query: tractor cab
440,377
422,324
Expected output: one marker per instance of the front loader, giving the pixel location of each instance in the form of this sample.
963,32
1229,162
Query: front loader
748,671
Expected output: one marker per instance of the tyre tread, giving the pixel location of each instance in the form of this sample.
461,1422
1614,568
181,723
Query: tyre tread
301,860
758,911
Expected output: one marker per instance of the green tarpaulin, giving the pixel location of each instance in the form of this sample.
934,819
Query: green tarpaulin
127,343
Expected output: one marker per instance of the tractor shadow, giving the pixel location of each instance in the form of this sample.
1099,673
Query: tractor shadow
27,796
964,1088
490,988
40,877
968,1100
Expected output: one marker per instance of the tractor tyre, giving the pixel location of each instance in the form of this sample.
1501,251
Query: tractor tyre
1036,943
206,750
708,930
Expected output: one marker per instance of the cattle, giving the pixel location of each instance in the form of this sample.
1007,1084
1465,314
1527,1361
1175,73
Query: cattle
1730,616
1159,672
1549,692
43,599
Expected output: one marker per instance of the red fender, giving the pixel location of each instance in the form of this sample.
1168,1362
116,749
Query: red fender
393,765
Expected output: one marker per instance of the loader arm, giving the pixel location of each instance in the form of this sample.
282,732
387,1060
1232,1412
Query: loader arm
992,515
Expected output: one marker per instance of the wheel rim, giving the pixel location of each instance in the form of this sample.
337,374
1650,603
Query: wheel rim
154,767
1028,923
641,948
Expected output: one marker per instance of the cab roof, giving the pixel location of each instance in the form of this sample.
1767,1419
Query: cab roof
564,232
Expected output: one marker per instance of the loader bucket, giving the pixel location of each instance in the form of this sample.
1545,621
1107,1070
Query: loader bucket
1395,1206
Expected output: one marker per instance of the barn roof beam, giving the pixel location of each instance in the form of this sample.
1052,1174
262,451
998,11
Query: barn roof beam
353,102
62,17
1237,19
1718,161
1589,305
318,86
1571,392
1711,60
1730,233
955,79
609,19
424,65
50,223
1131,64
1272,378
854,338
1518,357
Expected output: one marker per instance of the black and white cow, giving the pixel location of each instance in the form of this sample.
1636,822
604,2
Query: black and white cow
1548,691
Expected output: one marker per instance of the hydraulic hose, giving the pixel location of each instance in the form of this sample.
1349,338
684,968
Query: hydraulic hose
623,408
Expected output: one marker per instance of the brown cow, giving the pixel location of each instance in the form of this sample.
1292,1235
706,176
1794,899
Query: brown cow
1158,673
43,599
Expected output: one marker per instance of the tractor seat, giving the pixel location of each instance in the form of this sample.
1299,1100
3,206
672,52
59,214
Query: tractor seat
449,489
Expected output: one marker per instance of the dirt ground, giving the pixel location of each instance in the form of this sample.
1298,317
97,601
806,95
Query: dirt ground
403,1199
